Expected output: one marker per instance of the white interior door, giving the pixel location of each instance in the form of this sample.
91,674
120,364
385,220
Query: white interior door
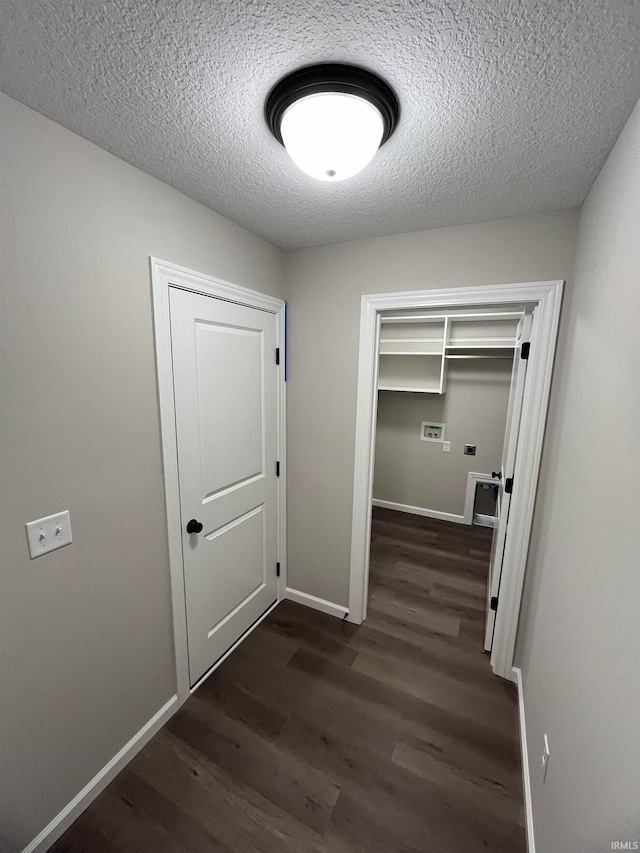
509,452
225,387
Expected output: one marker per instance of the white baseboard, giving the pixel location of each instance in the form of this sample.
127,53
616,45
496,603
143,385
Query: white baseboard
79,803
418,510
317,603
526,778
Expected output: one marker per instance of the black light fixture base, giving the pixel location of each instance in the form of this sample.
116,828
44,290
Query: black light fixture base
332,77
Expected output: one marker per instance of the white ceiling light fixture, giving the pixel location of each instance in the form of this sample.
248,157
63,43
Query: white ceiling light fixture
332,118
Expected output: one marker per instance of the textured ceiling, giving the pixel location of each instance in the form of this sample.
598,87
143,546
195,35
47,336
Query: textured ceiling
508,106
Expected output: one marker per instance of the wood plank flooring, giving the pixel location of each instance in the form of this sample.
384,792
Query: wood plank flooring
392,737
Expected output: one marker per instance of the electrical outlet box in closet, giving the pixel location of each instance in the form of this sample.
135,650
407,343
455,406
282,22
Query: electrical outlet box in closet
432,432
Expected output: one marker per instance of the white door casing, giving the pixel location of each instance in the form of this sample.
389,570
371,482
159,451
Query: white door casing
165,279
543,296
224,372
509,452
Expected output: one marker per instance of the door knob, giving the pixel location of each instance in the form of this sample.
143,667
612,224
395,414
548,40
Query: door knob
497,475
194,526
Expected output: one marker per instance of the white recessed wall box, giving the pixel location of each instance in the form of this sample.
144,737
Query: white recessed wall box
431,431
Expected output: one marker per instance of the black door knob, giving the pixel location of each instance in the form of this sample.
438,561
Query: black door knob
497,475
194,526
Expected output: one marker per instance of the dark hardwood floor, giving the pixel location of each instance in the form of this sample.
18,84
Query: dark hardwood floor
392,736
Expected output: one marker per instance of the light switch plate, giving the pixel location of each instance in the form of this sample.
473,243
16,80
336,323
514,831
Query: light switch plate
47,534
446,447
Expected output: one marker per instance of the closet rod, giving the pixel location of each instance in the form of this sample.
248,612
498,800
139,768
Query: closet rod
510,357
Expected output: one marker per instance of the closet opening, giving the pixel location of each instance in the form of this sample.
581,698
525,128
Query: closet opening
452,397
450,388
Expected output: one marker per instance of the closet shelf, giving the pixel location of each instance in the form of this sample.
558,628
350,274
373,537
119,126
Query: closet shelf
479,351
477,355
503,343
437,354
410,390
414,350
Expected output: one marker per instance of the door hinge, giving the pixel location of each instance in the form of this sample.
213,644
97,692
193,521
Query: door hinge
277,469
277,355
494,603
524,352
508,485
277,570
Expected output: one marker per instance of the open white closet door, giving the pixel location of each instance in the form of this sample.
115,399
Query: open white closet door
509,452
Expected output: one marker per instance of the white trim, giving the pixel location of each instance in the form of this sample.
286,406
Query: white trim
545,298
543,337
526,778
168,273
469,499
316,603
163,276
79,803
418,510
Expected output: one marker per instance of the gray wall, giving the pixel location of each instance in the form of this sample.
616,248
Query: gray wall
474,408
579,638
86,648
324,286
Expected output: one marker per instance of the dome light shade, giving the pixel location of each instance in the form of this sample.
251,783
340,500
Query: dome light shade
332,118
331,136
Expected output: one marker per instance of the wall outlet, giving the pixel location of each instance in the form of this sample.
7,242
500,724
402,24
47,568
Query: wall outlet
446,447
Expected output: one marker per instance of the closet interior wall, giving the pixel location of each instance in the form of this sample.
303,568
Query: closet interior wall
451,373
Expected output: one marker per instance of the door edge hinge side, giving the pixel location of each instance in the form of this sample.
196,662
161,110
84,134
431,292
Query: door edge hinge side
508,485
277,469
277,355
277,570
493,605
525,350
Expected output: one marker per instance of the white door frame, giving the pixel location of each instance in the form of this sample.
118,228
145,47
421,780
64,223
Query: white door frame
545,297
163,276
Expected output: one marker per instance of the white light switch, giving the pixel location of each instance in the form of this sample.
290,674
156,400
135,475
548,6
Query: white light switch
47,534
446,447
